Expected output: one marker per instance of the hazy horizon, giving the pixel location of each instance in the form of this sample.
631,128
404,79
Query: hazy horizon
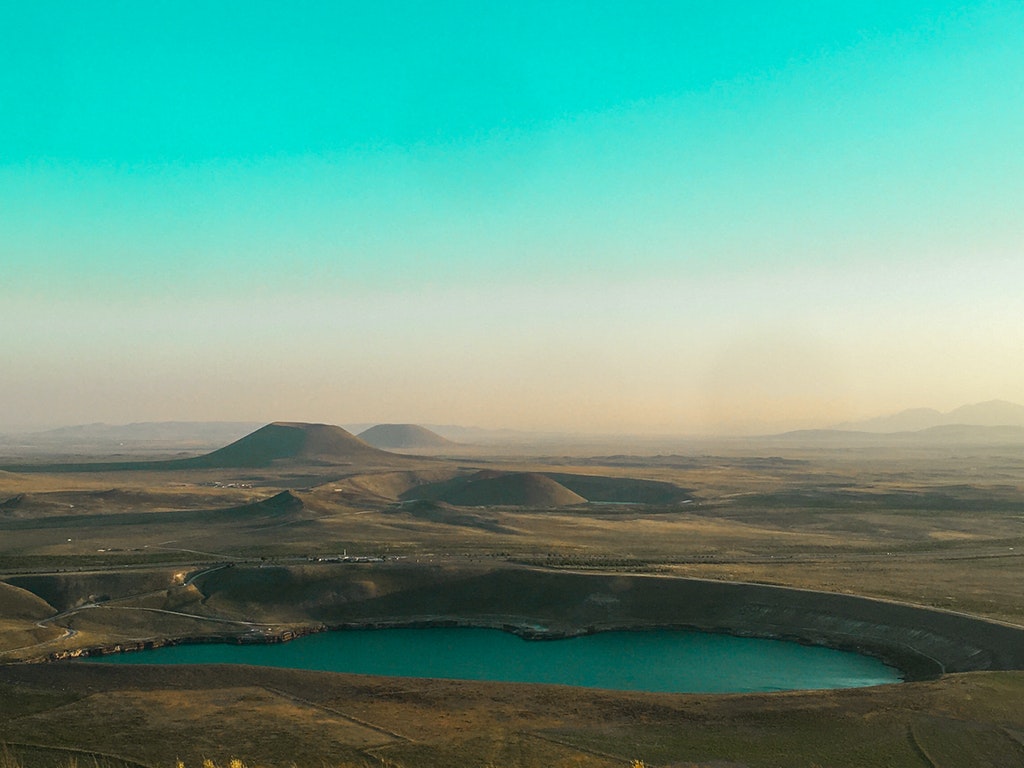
881,424
675,218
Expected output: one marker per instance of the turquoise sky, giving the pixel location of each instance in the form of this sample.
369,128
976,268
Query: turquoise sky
676,216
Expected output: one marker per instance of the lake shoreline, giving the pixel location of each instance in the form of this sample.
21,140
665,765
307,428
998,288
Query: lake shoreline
921,643
669,660
525,632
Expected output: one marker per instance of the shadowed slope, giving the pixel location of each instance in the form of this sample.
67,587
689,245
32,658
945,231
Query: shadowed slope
280,503
622,490
403,436
488,488
19,603
289,441
545,489
13,503
282,507
385,486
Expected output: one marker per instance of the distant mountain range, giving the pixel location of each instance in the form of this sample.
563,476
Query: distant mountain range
993,413
996,422
947,434
181,433
992,421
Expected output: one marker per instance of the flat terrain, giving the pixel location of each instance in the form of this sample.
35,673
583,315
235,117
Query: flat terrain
152,715
103,556
945,531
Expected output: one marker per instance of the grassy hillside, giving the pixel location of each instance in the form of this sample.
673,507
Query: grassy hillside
400,437
272,717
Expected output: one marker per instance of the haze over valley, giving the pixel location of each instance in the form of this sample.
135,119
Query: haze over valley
912,553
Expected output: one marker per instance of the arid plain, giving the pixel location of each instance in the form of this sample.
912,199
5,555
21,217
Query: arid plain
298,527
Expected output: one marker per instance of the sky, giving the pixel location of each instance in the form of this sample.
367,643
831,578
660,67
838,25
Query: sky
648,217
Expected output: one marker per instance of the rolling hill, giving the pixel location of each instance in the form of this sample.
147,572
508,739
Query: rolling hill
288,442
281,443
544,489
490,488
408,437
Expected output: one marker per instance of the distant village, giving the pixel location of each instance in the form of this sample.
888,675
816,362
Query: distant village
347,558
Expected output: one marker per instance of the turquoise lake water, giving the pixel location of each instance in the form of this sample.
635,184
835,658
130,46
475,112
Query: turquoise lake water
655,660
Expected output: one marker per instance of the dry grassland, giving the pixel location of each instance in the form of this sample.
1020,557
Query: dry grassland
96,557
280,717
